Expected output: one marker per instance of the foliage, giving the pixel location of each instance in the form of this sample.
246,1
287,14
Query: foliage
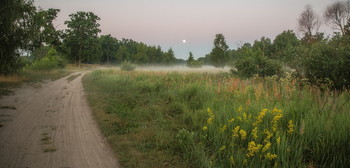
263,122
219,54
127,66
191,62
329,62
109,47
16,25
52,60
81,38
256,63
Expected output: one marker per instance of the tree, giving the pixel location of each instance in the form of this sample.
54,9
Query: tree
219,55
308,21
190,59
16,25
284,46
109,46
170,56
123,54
337,15
44,30
82,37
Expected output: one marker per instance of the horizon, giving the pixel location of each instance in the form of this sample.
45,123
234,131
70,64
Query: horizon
168,23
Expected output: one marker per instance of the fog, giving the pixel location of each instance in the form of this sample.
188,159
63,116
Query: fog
183,68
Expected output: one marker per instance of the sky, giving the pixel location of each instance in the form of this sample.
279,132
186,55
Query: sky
168,23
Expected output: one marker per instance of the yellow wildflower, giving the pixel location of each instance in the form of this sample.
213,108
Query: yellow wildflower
260,117
245,162
245,117
270,156
268,135
240,108
210,113
235,131
223,148
223,128
253,148
205,128
243,134
239,118
231,120
210,120
276,111
278,140
275,120
232,160
255,133
266,147
290,127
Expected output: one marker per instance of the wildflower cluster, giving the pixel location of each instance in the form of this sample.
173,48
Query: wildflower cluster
258,138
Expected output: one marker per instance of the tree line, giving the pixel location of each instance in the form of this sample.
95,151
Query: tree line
319,59
25,28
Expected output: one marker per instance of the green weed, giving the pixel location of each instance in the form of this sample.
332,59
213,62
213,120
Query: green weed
215,120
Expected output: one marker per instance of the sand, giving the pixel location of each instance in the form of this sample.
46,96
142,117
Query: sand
51,126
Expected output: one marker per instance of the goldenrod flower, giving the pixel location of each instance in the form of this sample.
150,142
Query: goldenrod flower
260,117
253,148
270,156
245,162
210,120
205,128
222,148
245,117
243,134
266,147
210,113
276,111
278,140
240,108
232,160
290,127
235,131
223,128
268,135
255,133
231,120
275,120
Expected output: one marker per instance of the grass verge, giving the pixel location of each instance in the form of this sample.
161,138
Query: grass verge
213,120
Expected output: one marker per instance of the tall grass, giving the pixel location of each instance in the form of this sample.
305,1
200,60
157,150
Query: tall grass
214,120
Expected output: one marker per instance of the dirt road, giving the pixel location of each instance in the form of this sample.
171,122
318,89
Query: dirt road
51,126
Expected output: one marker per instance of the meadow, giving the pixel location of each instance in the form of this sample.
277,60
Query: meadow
168,119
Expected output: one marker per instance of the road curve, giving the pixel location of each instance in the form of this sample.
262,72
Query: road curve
52,126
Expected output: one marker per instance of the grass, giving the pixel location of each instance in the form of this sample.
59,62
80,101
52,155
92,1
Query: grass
157,119
7,83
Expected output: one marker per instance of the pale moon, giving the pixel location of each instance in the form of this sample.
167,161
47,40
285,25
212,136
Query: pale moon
183,41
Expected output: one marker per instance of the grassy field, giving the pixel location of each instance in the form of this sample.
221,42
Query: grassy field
157,119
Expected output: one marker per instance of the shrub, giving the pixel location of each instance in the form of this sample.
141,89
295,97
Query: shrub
256,63
328,62
52,60
127,66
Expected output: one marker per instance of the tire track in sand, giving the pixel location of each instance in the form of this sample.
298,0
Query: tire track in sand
53,126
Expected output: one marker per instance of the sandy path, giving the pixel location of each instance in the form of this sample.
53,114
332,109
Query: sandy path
52,126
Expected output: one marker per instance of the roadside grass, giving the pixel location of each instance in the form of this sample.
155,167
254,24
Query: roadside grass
157,119
7,83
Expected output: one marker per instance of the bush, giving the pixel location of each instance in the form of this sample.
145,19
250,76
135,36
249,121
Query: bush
52,60
329,62
127,66
256,63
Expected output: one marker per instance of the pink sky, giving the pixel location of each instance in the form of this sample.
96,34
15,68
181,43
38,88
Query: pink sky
168,22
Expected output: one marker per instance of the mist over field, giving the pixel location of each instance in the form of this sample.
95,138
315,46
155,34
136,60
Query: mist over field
183,68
